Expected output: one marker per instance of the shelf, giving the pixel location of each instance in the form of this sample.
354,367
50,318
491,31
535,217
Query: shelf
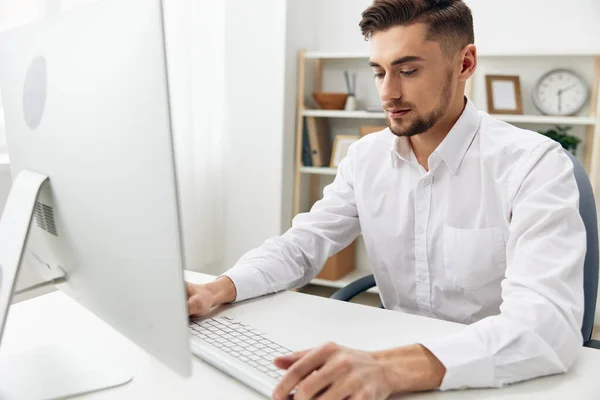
318,170
343,114
351,277
545,119
525,119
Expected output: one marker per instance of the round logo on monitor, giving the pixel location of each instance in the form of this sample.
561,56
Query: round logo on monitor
34,93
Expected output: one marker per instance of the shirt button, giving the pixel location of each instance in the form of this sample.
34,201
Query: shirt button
426,182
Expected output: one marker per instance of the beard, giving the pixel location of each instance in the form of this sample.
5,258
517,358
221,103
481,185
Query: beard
423,123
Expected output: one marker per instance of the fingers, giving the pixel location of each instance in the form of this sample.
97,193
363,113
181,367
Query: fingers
284,362
197,305
302,367
189,289
316,383
197,302
192,306
342,389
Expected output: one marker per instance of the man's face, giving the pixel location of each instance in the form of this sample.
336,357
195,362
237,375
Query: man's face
414,78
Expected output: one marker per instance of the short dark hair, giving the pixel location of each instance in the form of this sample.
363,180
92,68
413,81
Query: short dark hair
450,22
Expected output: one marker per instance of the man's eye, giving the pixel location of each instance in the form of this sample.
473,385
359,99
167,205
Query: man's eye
408,73
379,75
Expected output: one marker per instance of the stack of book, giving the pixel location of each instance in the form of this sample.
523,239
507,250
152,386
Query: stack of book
316,143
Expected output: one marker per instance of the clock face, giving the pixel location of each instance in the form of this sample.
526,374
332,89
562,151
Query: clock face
560,92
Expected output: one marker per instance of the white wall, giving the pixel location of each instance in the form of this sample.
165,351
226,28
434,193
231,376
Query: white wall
536,26
501,26
338,29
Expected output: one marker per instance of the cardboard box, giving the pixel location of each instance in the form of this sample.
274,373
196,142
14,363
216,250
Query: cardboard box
366,129
340,264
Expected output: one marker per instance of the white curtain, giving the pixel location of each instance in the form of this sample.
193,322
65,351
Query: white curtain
195,32
195,36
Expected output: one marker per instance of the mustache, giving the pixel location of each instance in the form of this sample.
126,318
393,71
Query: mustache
391,105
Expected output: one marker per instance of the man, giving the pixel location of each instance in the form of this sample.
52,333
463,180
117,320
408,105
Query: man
465,218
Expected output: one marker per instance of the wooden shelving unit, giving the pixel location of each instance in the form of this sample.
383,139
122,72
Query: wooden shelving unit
316,59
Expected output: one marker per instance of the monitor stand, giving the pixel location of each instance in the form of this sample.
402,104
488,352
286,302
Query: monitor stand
49,372
59,371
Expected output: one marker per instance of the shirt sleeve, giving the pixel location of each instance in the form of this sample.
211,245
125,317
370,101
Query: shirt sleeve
296,257
538,330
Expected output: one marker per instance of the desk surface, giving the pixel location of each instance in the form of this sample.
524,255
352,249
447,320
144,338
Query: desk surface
295,320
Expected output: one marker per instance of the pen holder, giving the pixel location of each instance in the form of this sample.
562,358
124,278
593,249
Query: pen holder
350,103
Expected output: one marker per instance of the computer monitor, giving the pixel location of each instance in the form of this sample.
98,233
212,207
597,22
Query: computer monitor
86,105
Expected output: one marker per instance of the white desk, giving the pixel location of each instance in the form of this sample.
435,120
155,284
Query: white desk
296,320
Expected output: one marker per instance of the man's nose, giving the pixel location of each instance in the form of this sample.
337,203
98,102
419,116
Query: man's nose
390,89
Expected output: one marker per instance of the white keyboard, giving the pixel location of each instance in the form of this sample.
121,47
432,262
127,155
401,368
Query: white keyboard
241,351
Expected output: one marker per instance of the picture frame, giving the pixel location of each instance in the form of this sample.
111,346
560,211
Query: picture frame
504,94
340,148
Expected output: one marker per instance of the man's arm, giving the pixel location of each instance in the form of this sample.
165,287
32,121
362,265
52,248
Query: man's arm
296,257
538,330
343,373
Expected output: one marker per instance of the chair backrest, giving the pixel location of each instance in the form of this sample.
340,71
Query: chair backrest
587,209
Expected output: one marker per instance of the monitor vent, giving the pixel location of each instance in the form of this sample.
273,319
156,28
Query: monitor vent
44,218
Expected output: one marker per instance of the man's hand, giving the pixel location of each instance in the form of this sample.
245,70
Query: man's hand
200,299
341,372
203,297
335,372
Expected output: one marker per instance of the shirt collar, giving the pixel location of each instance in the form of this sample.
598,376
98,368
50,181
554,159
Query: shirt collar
454,146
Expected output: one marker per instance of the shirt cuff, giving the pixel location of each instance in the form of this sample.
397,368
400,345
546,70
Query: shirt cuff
248,282
466,360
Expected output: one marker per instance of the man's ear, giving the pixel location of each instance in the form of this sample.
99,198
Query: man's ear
468,62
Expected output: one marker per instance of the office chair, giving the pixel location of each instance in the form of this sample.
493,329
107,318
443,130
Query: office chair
587,209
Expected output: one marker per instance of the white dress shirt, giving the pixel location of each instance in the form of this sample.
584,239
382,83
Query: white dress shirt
490,236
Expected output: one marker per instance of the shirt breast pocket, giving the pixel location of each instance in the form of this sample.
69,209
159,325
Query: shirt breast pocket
474,258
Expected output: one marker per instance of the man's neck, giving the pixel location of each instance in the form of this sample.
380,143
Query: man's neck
425,143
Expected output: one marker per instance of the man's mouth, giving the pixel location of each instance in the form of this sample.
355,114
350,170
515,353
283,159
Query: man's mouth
398,112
